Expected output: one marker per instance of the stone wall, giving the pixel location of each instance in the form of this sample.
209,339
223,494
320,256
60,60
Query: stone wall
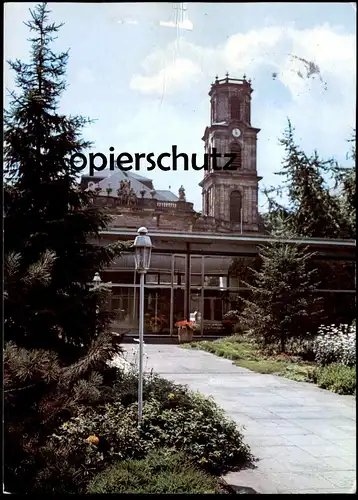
180,216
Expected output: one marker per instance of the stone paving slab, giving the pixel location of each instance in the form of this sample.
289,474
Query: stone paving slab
303,436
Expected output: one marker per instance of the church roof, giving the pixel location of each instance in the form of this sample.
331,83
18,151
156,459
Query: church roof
166,195
138,184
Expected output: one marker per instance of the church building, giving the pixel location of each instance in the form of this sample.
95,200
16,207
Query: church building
196,254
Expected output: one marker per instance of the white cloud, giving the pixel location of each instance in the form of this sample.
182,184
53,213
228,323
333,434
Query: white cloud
270,47
176,75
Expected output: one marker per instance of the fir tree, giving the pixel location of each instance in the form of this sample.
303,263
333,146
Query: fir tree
283,302
40,390
312,211
56,345
345,184
45,211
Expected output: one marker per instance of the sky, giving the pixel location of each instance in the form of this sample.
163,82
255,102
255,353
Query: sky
146,84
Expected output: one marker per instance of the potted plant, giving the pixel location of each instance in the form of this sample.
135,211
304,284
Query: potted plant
155,324
185,331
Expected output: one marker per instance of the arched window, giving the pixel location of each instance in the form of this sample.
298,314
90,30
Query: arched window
235,206
207,203
235,108
236,148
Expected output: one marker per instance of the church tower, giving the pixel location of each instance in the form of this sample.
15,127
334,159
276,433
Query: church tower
231,195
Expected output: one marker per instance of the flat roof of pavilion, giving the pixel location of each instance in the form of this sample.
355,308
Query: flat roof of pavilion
191,237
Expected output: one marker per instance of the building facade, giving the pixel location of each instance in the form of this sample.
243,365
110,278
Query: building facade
196,256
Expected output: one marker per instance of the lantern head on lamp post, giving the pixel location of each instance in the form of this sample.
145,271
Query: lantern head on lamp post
143,250
97,280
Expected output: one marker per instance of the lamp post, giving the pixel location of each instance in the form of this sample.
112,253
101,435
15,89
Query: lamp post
143,249
97,282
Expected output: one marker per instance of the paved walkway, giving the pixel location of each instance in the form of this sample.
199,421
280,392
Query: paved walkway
303,436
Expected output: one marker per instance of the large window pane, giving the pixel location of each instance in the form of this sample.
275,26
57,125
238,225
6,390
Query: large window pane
165,279
151,279
196,305
157,310
216,272
179,270
178,306
120,276
161,262
216,304
125,261
196,270
124,302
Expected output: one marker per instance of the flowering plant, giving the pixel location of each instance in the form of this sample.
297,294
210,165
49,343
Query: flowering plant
336,344
93,439
185,324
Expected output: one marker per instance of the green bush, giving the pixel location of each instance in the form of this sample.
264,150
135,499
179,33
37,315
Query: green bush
201,429
154,386
162,471
336,378
173,417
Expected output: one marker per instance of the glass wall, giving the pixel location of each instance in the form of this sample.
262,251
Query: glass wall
171,295
204,290
157,310
196,302
125,303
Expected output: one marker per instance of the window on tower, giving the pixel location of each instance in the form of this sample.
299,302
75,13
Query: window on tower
207,203
236,149
235,107
235,206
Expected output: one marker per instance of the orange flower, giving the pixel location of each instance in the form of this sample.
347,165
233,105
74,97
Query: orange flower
93,439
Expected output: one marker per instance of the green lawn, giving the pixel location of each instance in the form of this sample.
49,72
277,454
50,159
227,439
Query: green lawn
247,355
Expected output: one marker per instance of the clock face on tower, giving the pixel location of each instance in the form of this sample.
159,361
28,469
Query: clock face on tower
236,132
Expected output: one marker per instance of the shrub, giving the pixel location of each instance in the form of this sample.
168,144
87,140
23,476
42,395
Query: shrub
336,378
162,471
172,417
154,386
232,315
336,344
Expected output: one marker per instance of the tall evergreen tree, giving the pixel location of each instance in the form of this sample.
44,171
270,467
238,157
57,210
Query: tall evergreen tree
44,209
346,190
312,210
282,301
56,345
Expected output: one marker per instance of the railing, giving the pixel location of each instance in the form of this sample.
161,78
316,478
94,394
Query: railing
140,203
166,204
